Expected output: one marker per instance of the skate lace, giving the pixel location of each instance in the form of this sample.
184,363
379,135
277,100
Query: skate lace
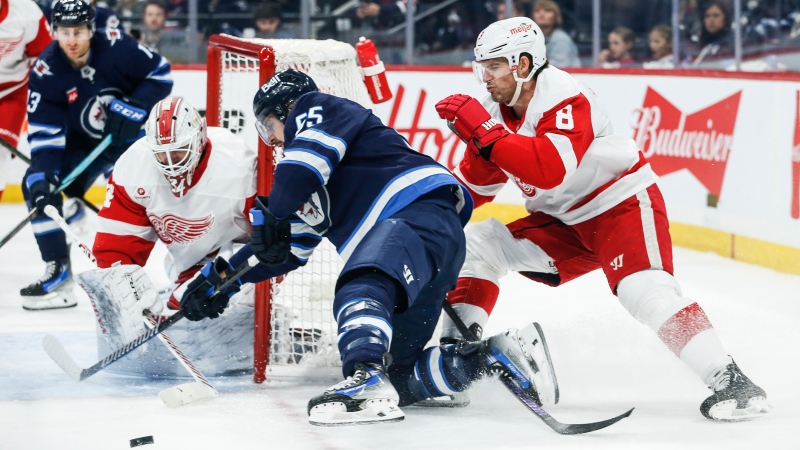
50,270
721,381
353,380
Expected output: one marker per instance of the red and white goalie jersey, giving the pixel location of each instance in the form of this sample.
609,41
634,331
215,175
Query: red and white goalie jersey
140,207
564,155
24,33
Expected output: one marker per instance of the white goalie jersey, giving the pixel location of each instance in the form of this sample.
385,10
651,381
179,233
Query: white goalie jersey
140,207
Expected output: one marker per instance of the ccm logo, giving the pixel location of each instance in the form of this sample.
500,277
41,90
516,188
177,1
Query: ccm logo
127,112
489,124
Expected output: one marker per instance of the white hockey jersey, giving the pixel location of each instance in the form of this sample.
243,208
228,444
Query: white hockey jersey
563,155
140,207
24,33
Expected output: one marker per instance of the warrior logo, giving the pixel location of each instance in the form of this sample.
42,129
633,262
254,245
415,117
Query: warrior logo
699,142
8,45
173,229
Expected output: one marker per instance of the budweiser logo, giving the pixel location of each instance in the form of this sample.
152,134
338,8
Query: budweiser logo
699,142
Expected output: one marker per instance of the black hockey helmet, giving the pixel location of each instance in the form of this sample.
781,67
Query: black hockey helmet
72,13
279,93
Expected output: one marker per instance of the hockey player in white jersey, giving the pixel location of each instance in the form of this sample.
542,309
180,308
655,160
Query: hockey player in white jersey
24,34
592,202
190,187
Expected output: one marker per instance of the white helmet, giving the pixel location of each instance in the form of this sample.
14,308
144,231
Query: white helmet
176,130
510,38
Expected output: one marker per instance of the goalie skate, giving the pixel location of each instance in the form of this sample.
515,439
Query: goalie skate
364,398
735,397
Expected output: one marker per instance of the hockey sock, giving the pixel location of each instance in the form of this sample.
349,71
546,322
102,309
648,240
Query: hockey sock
363,310
473,299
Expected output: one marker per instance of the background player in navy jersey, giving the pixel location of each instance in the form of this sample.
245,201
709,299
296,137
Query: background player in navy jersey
395,217
84,86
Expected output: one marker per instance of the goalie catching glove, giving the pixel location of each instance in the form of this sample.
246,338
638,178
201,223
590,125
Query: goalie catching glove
472,123
200,301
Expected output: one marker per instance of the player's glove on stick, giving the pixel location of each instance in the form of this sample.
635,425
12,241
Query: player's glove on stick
124,120
41,188
472,123
199,302
271,239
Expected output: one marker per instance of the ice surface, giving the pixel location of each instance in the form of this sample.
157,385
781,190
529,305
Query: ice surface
605,360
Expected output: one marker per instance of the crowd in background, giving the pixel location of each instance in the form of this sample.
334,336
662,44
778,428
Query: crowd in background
635,33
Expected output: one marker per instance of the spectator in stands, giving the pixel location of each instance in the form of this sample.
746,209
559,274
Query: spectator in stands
381,13
269,18
125,10
561,49
716,37
220,20
618,53
660,40
153,20
517,9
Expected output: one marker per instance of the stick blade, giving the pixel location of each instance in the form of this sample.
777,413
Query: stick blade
183,394
55,350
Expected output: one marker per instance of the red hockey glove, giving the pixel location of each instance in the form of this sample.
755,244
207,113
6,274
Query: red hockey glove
471,121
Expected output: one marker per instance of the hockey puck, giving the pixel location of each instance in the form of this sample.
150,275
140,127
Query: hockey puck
142,441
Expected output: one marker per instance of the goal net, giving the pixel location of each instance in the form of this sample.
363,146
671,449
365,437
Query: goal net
295,334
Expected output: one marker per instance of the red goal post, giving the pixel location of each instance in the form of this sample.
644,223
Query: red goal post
295,335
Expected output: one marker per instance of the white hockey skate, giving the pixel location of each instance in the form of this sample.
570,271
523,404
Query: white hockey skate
523,356
366,397
54,290
735,397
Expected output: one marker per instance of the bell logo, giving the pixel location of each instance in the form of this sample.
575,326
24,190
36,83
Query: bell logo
699,142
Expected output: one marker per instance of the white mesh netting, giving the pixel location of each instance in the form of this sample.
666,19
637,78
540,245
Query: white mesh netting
303,330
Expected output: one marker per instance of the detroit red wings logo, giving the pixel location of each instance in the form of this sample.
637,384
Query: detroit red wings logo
8,45
699,142
173,229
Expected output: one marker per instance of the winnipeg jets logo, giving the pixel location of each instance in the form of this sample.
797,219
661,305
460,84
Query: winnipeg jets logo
528,189
311,211
174,229
8,45
41,68
93,115
407,274
87,72
617,262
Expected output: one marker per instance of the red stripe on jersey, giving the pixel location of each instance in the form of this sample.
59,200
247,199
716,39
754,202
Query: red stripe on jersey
167,114
42,39
475,291
679,329
639,164
109,247
3,10
535,160
480,172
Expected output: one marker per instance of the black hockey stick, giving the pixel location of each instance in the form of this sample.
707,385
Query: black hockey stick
55,349
530,402
27,160
76,172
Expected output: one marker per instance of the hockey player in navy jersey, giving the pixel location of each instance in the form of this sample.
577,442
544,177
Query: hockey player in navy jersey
396,218
85,85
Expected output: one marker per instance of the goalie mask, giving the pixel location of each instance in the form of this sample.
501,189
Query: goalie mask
509,39
176,134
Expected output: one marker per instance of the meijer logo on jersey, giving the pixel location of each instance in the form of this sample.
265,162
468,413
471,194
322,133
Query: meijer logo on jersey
700,142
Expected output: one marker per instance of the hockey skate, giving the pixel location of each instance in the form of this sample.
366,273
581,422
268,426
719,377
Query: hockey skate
53,291
523,357
364,398
735,397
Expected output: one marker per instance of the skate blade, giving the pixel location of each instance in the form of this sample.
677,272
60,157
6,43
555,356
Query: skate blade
459,400
534,345
49,301
727,412
378,414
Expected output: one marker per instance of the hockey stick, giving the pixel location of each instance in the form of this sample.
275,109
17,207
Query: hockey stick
174,396
527,400
76,172
55,349
27,160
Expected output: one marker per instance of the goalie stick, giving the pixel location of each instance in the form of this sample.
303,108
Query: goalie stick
175,396
530,402
76,172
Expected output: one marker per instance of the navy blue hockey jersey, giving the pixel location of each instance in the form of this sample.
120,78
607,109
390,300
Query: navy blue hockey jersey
66,105
343,171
